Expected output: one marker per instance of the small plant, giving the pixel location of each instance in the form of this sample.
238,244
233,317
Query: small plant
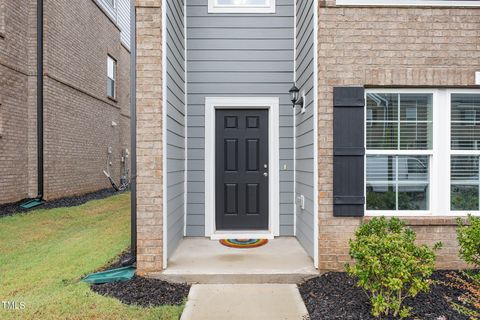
389,265
470,300
468,236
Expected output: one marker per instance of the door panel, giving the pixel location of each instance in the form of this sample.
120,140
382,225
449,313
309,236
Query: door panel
241,157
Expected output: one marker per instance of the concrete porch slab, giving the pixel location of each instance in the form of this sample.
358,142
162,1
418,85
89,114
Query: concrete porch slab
243,301
200,260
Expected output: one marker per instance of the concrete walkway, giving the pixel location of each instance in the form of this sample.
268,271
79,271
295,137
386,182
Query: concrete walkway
245,301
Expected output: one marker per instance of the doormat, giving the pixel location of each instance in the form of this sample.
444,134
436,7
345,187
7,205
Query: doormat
244,243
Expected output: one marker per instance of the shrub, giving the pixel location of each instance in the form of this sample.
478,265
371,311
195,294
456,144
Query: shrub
389,266
469,302
468,236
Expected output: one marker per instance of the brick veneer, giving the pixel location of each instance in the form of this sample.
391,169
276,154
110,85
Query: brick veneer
149,137
389,46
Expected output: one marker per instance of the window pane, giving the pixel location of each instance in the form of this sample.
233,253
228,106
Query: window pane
110,88
111,68
465,183
399,121
413,182
465,119
382,135
415,136
243,2
384,106
381,189
382,121
416,121
397,182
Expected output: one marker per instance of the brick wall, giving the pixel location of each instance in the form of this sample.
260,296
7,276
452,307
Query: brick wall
14,80
78,115
389,46
149,137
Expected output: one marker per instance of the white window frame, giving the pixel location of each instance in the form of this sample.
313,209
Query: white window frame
214,7
114,79
440,155
432,159
428,3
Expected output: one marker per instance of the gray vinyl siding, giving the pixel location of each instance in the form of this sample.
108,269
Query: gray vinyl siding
238,55
120,15
304,124
123,20
176,120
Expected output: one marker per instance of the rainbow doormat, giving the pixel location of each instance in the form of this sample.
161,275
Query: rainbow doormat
244,243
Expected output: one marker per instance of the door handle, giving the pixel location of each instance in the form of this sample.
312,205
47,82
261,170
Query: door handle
265,174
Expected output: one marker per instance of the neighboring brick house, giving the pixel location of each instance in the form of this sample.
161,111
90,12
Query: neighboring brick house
82,119
386,121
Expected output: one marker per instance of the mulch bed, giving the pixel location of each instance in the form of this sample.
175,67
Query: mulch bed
335,296
145,292
10,209
142,291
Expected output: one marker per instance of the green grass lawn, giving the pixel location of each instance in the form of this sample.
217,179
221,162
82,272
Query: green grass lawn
44,254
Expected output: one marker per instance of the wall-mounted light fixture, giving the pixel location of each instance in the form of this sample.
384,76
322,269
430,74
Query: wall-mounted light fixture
295,97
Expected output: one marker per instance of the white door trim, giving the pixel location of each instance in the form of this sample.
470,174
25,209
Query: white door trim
272,104
315,135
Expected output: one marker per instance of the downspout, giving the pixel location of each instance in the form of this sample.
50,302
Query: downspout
40,149
133,137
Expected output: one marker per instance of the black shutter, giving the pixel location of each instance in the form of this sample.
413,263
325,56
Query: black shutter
348,151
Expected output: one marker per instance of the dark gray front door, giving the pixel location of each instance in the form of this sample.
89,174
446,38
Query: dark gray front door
241,147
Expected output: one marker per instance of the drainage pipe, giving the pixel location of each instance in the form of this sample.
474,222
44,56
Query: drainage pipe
40,182
133,138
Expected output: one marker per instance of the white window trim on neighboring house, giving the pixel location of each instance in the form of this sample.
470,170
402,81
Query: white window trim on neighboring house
429,3
440,155
112,76
272,105
214,7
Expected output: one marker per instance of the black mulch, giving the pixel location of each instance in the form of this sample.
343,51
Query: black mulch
117,262
142,291
145,292
10,209
335,296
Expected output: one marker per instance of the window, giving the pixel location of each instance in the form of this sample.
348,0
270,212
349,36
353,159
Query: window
241,6
422,152
399,145
465,152
111,77
451,3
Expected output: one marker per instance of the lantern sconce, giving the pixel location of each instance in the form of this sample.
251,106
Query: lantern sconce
296,99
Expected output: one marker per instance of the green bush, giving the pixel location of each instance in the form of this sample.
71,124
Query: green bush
468,236
389,266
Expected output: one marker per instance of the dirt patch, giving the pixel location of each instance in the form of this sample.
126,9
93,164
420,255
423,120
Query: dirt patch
10,209
145,292
335,296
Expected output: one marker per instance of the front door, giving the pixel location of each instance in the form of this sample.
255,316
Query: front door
241,157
